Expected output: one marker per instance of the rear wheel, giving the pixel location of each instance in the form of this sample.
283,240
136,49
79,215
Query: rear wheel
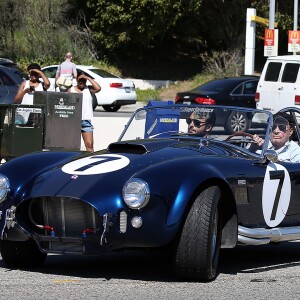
237,121
21,254
111,108
197,253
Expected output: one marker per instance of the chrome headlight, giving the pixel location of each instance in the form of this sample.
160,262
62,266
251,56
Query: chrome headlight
4,187
136,193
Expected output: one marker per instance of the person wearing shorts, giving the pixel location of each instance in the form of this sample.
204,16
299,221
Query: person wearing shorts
87,107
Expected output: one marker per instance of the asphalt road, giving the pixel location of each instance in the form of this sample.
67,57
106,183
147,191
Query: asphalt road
108,126
247,272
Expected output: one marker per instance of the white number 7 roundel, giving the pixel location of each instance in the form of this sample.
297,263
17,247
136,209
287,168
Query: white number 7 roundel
276,194
96,164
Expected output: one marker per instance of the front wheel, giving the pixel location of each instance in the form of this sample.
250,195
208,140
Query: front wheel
21,254
111,108
197,251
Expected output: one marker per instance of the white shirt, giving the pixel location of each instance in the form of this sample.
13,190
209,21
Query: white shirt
28,97
290,152
87,103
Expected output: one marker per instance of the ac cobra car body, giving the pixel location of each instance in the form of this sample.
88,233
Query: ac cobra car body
157,187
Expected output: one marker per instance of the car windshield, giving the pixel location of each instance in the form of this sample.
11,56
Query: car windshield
102,73
232,125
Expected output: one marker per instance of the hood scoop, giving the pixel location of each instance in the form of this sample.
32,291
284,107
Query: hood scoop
140,147
127,148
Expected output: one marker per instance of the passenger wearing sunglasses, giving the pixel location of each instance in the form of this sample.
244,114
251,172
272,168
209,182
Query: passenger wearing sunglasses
281,138
201,123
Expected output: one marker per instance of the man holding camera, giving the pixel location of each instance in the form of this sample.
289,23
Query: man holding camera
27,87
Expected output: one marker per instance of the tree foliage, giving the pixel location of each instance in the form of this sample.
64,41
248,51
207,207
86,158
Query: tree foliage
151,38
40,31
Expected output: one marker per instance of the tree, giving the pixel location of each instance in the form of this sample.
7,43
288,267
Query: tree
150,31
40,31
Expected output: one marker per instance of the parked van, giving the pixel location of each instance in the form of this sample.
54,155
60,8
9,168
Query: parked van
279,84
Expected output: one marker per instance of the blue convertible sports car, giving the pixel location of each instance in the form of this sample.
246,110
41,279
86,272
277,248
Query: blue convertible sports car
160,186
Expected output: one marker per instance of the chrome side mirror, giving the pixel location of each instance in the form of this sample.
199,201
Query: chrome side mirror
271,155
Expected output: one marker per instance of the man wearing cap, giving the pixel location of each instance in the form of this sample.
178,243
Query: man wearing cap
201,123
280,138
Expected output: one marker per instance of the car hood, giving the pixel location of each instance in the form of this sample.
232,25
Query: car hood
104,173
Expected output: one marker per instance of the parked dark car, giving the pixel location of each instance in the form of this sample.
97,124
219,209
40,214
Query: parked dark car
233,91
10,80
158,187
10,64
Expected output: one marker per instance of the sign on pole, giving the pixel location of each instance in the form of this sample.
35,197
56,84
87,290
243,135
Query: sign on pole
294,41
271,42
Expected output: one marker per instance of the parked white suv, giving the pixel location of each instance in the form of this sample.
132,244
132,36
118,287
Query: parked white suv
279,83
115,91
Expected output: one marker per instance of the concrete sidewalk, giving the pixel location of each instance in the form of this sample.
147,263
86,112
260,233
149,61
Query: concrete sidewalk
108,129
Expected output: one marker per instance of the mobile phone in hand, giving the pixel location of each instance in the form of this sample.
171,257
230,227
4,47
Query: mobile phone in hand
31,88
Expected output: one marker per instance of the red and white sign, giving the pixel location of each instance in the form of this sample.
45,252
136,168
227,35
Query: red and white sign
294,41
271,42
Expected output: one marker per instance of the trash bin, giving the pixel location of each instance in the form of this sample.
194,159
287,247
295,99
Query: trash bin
21,129
63,113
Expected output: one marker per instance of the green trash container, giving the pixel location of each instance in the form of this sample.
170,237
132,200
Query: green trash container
63,113
21,129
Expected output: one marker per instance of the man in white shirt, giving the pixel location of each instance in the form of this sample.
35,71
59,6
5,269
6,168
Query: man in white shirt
280,138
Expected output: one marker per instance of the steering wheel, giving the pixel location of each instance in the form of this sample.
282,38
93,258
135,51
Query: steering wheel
239,133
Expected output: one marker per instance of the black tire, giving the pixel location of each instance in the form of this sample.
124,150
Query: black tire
111,108
197,254
21,254
95,102
237,121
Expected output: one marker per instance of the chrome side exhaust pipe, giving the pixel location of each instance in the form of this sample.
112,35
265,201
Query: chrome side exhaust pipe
261,236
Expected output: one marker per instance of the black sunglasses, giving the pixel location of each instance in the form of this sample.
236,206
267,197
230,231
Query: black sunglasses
196,122
281,127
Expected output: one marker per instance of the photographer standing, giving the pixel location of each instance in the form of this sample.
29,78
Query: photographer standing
27,87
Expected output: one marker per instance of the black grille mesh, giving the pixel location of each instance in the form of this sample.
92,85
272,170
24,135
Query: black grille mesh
68,216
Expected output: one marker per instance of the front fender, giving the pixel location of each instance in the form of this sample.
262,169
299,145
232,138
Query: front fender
187,192
175,183
22,170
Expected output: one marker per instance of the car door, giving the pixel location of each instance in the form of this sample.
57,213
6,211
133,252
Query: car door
244,94
288,85
3,89
8,88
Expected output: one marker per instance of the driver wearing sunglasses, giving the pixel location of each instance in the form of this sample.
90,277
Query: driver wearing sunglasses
201,123
281,138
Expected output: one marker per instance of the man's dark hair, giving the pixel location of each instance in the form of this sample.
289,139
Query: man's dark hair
79,73
211,119
33,66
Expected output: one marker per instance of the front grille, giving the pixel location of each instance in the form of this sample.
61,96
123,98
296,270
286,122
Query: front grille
68,217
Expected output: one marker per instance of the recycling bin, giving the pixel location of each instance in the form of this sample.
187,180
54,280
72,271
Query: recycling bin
21,129
62,119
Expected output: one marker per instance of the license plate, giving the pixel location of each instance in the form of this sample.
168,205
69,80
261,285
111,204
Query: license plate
187,102
127,89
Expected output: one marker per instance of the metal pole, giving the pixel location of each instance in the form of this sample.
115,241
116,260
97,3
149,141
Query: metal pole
295,15
272,14
295,28
250,42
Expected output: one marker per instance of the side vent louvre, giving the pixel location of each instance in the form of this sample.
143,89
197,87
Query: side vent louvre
123,221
